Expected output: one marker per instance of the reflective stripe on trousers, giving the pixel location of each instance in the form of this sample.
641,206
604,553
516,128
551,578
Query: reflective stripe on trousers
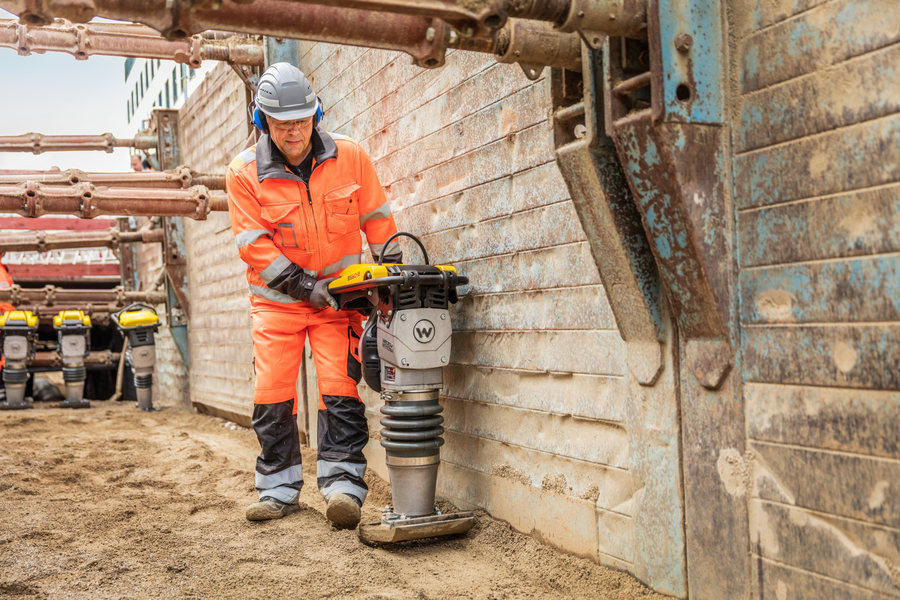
279,473
343,433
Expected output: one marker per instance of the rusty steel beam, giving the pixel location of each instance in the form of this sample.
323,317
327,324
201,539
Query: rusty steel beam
472,19
218,201
39,241
535,45
56,224
31,275
53,296
412,26
179,178
119,39
37,143
176,19
86,201
592,19
98,358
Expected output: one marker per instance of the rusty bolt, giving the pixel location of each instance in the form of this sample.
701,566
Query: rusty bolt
683,42
429,34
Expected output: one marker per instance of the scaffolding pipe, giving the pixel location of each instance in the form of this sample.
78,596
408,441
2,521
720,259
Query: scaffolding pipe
32,199
412,26
176,19
98,358
476,19
118,39
178,178
40,241
534,45
37,143
218,201
50,295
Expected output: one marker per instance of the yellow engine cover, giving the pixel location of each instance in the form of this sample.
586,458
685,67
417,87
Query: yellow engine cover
357,274
138,318
19,318
67,316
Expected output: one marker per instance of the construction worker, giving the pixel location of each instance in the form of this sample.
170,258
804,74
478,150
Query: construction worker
299,200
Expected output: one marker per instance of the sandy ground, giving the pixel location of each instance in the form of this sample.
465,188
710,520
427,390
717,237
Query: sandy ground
111,502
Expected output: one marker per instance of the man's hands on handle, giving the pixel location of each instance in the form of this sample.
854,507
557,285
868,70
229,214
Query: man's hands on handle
320,298
299,285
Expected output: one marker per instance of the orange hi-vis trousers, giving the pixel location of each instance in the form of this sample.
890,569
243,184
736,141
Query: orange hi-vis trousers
278,340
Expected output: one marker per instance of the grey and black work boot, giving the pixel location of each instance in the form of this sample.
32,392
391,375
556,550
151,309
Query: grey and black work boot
343,511
270,508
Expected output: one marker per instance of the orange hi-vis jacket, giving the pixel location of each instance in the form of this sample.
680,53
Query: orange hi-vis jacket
278,220
6,282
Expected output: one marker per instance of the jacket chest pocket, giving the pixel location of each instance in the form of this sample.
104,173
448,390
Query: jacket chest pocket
341,211
286,221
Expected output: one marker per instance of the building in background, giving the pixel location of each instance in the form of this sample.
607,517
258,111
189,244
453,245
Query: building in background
154,83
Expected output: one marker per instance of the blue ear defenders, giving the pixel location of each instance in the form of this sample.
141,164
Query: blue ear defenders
263,125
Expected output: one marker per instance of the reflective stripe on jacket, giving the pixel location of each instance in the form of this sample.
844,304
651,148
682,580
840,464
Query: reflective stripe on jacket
277,220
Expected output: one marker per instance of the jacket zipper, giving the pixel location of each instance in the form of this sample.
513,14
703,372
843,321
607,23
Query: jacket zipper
312,209
312,217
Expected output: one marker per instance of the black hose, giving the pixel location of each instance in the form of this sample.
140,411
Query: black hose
396,235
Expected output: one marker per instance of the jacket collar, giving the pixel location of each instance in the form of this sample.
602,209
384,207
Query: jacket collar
271,164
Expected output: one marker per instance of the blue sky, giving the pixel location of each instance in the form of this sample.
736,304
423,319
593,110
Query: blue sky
55,94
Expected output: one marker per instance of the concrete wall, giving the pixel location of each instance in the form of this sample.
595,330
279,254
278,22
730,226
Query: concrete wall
213,130
816,133
544,429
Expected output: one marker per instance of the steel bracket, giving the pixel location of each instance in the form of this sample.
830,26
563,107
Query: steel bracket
668,126
164,123
599,189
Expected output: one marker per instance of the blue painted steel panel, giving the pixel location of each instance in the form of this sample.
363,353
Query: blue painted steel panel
700,67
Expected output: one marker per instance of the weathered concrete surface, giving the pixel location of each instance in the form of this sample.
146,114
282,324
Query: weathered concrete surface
860,89
856,223
816,129
844,420
213,129
795,47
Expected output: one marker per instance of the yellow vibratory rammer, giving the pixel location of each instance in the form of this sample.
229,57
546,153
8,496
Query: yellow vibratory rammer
404,347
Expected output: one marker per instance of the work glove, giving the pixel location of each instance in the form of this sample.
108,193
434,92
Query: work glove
299,285
320,298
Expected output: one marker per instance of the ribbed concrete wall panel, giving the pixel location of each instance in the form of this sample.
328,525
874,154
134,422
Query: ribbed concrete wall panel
816,134
213,131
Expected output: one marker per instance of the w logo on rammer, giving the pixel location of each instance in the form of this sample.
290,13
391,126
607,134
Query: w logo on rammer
424,331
